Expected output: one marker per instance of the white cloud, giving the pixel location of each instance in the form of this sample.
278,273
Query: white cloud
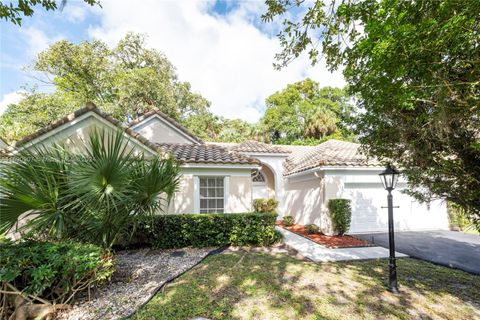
225,57
9,98
36,40
75,12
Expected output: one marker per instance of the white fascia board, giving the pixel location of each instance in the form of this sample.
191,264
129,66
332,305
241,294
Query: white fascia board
168,124
217,171
326,169
265,154
347,168
302,173
70,124
55,131
219,166
306,177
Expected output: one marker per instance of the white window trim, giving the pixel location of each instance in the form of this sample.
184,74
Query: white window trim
196,192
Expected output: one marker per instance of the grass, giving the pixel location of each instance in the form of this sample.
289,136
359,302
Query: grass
260,285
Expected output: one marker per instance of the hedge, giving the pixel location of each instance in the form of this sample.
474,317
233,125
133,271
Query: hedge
341,214
206,230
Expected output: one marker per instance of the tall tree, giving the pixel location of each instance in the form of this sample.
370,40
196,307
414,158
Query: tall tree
126,80
415,68
305,113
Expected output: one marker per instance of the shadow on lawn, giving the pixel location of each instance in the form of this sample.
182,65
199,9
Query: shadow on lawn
424,290
246,285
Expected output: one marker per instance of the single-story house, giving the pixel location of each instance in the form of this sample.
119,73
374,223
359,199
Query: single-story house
226,177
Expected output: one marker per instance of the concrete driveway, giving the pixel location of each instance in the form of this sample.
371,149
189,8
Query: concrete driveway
448,248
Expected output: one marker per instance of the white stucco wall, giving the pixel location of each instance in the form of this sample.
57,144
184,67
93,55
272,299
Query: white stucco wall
303,199
160,131
237,188
75,134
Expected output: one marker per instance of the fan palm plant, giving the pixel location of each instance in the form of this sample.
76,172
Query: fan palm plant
93,196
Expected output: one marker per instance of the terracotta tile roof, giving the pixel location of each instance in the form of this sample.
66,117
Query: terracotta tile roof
329,153
166,118
205,153
90,107
260,147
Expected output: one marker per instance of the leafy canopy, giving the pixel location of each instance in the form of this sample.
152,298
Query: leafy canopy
126,80
305,113
414,67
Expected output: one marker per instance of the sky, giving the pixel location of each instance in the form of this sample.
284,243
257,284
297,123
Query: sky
221,47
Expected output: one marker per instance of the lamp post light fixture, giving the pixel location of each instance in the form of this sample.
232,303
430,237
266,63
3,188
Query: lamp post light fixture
389,178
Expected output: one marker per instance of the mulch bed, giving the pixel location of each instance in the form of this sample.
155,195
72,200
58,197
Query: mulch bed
333,242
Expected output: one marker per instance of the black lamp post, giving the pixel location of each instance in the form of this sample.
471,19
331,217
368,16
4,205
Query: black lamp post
389,178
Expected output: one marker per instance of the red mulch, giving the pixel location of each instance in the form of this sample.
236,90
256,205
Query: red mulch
328,241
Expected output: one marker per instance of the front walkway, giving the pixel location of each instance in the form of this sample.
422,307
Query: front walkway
319,253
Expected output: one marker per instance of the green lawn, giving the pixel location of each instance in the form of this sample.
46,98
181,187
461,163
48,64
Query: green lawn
259,285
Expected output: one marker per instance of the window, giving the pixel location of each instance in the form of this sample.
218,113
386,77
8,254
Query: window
212,195
257,176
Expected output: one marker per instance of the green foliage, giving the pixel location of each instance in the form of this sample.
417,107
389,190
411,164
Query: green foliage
414,69
340,214
236,130
312,228
304,111
91,196
288,221
53,271
206,230
14,12
125,81
457,218
265,205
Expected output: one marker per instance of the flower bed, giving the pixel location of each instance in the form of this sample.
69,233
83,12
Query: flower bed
326,240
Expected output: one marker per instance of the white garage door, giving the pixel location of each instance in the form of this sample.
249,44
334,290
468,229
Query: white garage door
369,216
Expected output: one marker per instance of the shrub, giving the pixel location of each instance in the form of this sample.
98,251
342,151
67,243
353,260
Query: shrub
53,271
265,205
457,217
90,197
312,228
205,230
341,214
288,221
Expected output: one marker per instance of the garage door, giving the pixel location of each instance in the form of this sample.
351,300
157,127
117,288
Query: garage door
369,216
367,212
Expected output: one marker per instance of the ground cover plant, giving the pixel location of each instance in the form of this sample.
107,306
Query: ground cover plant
312,228
288,221
48,273
252,285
